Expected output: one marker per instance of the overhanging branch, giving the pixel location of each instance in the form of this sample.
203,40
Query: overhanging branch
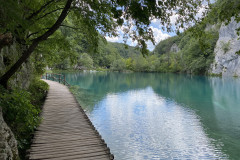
34,33
25,55
40,9
50,13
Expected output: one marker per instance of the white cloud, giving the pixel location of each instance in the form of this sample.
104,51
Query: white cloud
130,42
114,39
158,35
155,21
173,19
201,11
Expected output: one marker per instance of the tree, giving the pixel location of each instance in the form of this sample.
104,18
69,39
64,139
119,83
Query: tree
118,65
129,63
140,63
35,42
85,61
32,21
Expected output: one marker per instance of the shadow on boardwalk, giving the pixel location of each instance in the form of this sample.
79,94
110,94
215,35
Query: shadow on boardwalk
66,133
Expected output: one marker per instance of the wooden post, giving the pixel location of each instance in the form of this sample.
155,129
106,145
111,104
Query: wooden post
46,75
59,78
64,79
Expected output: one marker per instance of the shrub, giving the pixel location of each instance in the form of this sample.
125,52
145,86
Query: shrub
38,90
118,65
225,46
21,110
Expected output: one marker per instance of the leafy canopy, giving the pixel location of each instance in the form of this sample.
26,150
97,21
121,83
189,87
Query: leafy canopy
29,19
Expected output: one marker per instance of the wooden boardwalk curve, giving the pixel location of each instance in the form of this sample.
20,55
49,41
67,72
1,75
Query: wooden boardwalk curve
66,133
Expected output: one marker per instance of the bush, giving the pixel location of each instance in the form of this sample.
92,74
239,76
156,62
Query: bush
118,65
225,46
21,110
38,90
85,61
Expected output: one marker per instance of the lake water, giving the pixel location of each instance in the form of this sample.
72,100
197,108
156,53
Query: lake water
162,116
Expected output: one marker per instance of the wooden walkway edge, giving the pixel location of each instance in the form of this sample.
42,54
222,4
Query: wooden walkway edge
66,133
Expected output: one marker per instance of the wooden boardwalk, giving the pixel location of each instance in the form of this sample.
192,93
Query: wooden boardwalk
66,133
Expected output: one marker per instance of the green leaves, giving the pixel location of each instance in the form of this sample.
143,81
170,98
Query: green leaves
31,19
21,110
85,61
10,16
19,113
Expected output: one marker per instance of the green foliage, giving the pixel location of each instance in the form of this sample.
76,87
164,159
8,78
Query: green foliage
238,52
140,64
215,75
30,19
38,90
225,46
129,63
118,65
165,46
192,58
20,115
21,110
85,61
124,50
109,52
227,9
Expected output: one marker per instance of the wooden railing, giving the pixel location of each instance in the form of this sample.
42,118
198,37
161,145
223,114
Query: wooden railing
56,77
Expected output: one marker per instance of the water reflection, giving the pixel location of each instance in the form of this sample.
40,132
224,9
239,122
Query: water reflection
142,125
154,116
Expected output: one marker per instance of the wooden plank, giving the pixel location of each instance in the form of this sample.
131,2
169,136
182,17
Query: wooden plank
76,157
66,133
64,139
71,155
84,153
65,148
79,142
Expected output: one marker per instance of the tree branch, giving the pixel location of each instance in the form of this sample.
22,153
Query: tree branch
31,34
40,9
4,79
49,13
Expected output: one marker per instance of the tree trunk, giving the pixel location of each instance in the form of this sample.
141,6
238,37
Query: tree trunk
4,79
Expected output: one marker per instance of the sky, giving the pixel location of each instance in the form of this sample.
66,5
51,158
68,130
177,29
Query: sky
158,33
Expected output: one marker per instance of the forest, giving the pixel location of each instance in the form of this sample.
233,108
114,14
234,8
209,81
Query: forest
119,57
194,56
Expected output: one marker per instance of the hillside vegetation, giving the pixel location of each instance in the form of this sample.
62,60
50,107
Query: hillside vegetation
189,52
190,56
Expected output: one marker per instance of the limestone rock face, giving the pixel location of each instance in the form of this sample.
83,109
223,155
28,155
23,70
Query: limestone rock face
8,143
174,48
10,54
227,62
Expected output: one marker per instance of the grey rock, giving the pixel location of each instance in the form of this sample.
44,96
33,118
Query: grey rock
174,48
24,75
8,143
227,62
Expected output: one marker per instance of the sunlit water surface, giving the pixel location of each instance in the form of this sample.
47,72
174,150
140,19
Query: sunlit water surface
162,116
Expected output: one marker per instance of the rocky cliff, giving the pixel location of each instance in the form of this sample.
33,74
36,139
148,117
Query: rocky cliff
8,55
8,143
227,62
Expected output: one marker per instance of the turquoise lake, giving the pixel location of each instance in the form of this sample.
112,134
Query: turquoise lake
162,116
